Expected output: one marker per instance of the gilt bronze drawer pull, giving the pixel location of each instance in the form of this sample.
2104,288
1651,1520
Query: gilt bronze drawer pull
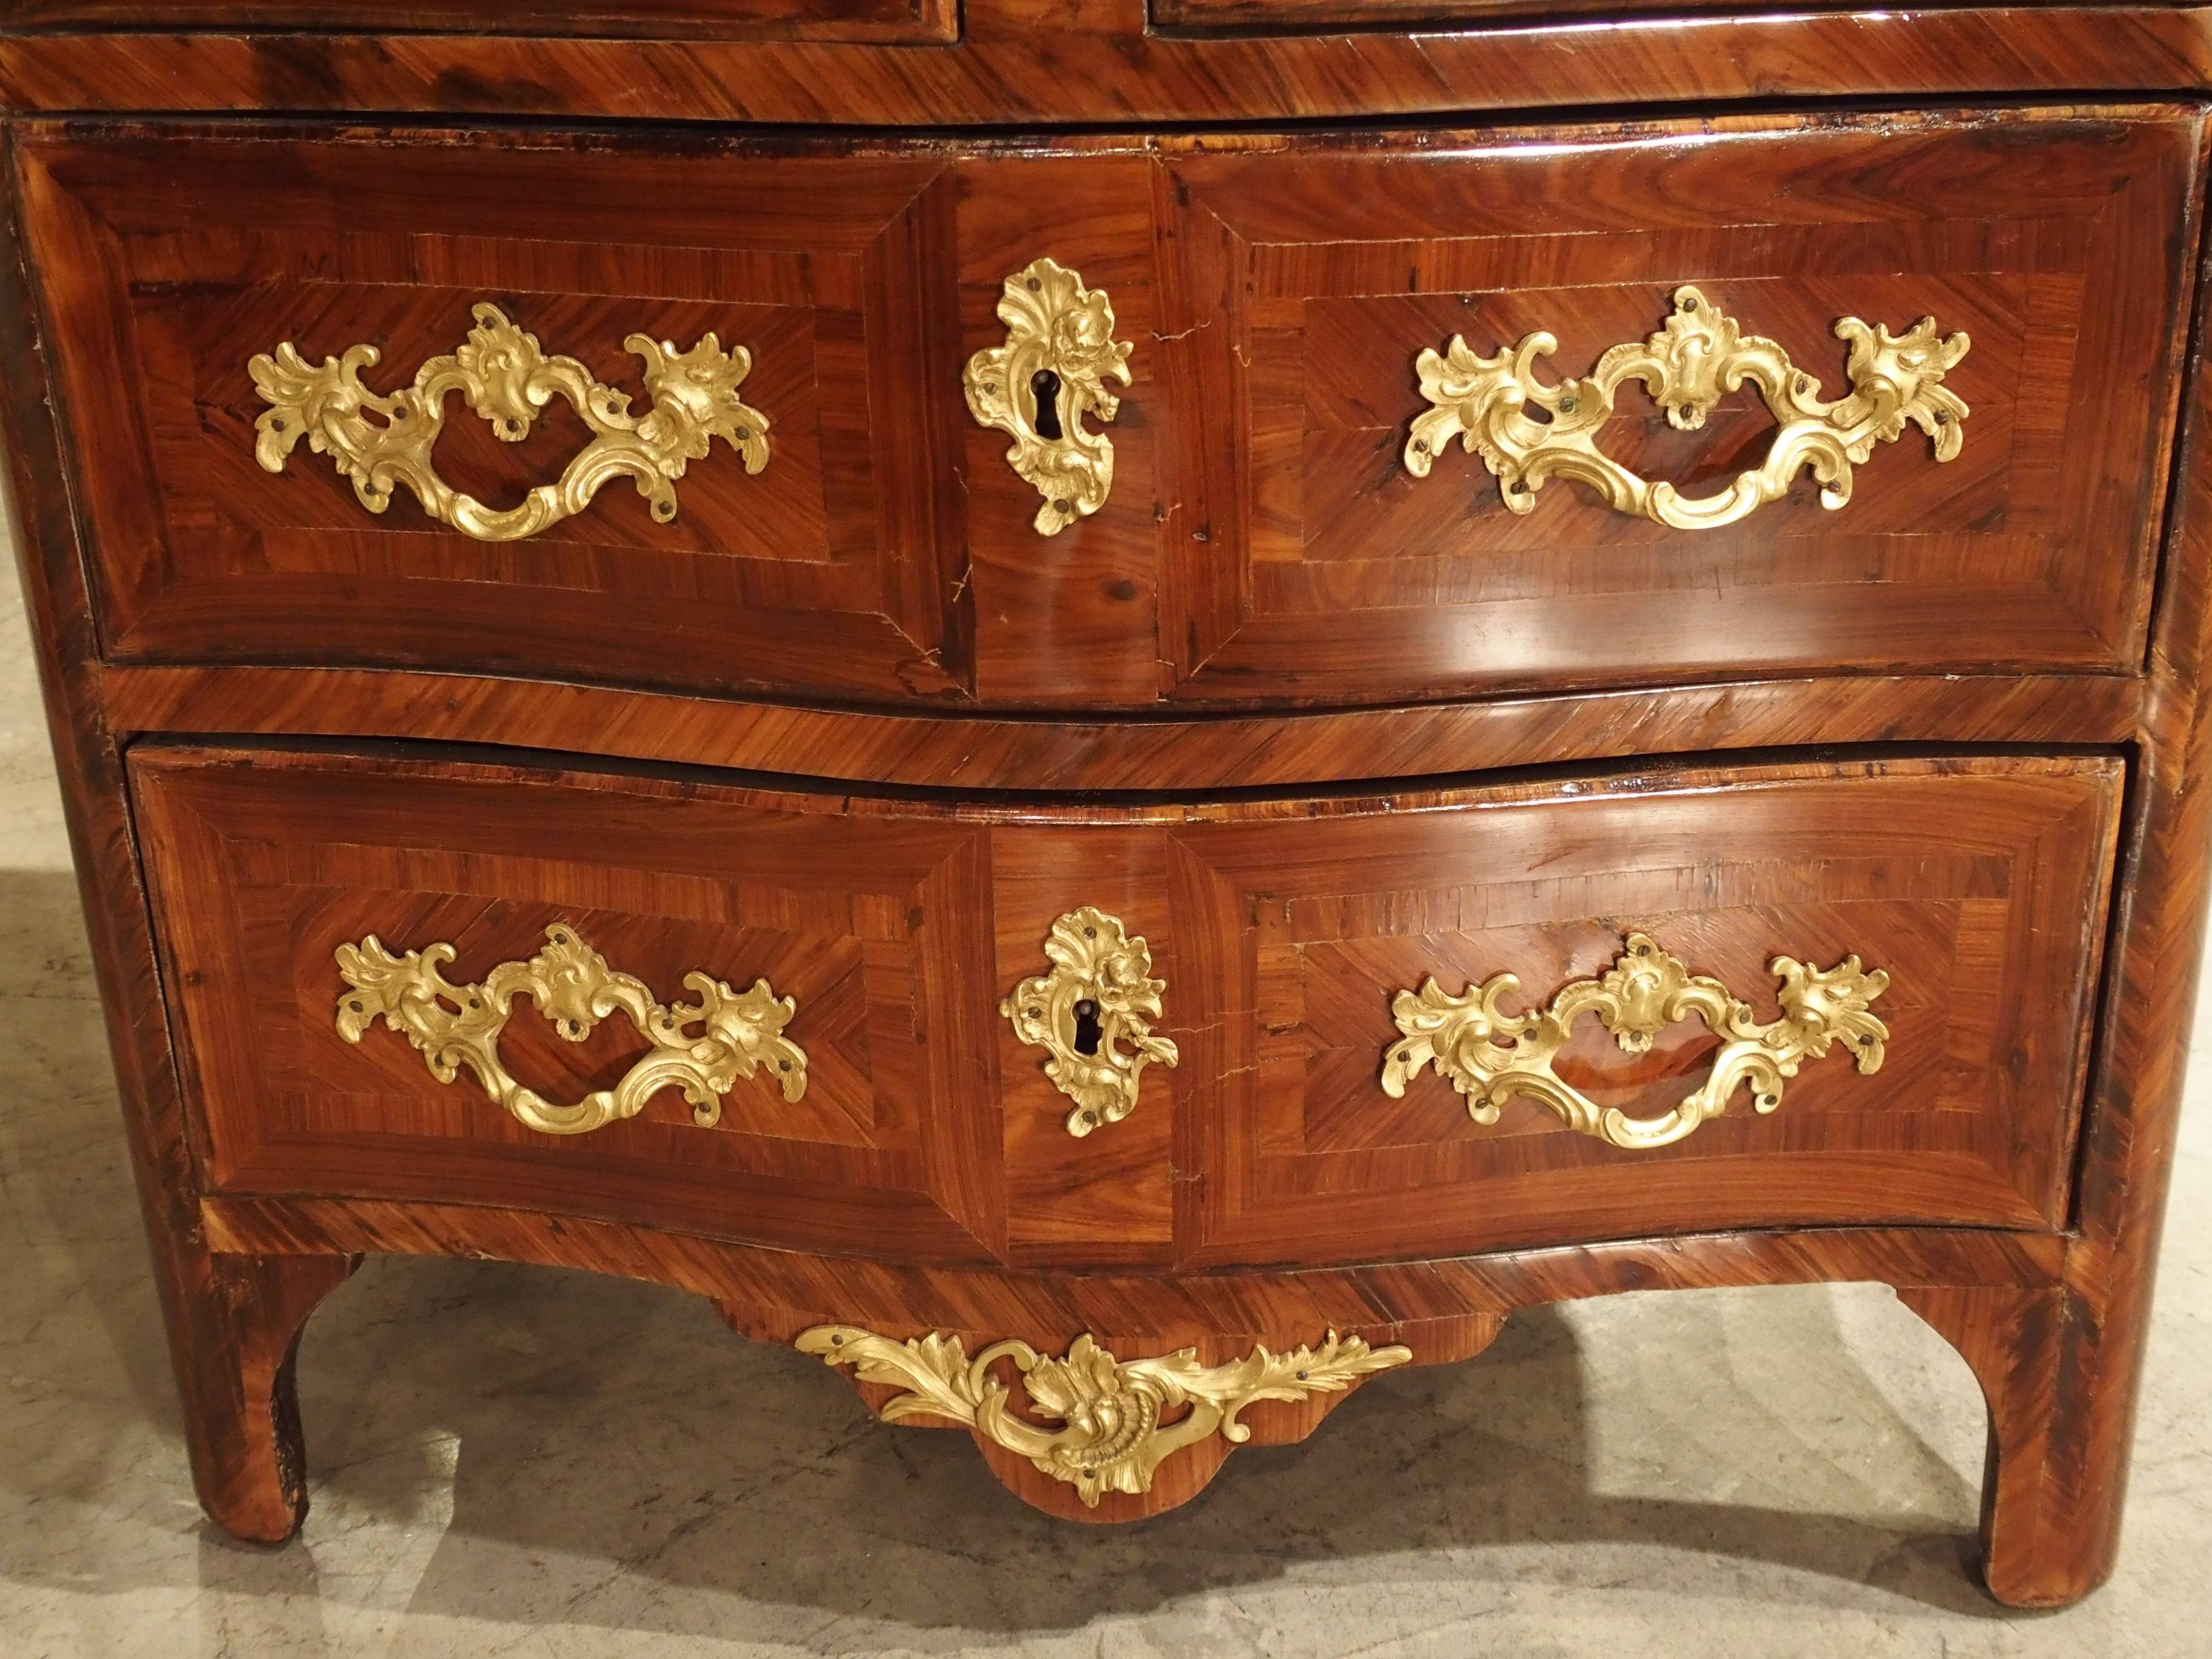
504,376
457,1026
1110,1437
1099,995
1491,1055
1686,367
1038,386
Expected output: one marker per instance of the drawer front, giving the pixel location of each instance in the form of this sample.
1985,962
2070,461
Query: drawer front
1304,557
1260,980
790,495
1247,528
171,264
1975,891
264,867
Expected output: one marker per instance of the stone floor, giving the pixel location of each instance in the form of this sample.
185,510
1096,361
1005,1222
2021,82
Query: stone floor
513,1461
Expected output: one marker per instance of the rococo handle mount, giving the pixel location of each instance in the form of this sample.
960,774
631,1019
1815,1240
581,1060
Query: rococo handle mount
1491,1055
1687,366
459,1025
504,376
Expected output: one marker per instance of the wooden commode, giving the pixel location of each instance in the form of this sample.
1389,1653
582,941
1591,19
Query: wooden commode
1120,714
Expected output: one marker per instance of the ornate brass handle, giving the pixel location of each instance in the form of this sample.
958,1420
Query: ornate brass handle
1491,1055
1039,385
459,1025
1099,994
504,376
1110,1437
1686,367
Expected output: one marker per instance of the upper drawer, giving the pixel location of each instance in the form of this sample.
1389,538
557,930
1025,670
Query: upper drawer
742,460
801,502
767,339
927,21
1587,282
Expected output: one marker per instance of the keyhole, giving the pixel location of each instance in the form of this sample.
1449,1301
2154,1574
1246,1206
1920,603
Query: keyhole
1044,387
1087,1032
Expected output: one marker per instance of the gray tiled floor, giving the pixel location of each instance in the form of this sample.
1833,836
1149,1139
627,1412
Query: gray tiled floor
515,1461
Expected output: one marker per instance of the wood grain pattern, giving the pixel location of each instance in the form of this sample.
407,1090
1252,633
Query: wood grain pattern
877,924
2058,1540
1186,753
890,21
1316,17
1281,929
1301,559
142,258
1069,619
250,1461
1977,886
1278,554
775,1294
1054,62
1445,1311
168,262
2016,1341
232,1320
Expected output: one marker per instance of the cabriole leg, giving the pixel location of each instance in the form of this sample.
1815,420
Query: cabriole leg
2052,1485
234,1354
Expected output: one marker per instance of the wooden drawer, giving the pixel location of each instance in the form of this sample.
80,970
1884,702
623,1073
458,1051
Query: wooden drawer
875,922
908,936
1303,559
1978,887
900,21
860,275
172,262
1264,539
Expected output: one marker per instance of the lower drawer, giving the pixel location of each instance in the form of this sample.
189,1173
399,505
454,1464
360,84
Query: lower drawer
1817,993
